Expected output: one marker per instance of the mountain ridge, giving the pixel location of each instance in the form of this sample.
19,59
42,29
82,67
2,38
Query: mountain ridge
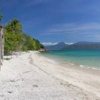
78,45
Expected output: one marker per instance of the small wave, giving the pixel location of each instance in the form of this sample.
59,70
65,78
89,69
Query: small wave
66,61
88,67
82,66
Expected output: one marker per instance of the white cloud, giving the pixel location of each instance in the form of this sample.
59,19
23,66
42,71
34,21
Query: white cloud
49,43
74,28
69,43
54,43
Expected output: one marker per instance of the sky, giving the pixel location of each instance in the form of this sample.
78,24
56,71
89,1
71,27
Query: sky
53,21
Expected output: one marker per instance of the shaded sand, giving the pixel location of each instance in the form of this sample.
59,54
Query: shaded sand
31,76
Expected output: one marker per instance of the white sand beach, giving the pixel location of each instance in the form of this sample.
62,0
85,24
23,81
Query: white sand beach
31,76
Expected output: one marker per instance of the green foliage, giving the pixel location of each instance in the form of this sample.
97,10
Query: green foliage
16,40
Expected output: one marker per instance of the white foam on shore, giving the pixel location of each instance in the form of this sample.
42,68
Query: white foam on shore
64,61
79,77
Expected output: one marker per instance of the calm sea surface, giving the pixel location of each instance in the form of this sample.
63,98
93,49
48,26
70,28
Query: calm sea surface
89,58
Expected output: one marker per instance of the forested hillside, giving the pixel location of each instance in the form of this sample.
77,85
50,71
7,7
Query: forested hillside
17,40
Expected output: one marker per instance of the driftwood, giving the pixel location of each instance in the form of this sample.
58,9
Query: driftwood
1,44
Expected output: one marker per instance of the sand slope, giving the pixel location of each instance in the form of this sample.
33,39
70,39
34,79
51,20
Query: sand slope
31,76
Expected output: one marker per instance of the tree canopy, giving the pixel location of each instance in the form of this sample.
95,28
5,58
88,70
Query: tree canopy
17,40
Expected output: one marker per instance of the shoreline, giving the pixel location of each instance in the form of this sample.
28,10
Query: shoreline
64,63
90,81
33,76
60,61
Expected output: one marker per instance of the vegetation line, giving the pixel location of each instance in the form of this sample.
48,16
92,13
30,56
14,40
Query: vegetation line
17,40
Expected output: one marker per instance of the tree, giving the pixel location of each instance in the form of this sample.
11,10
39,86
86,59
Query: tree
17,40
13,36
14,26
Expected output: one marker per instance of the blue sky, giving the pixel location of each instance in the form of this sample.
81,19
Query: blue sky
56,20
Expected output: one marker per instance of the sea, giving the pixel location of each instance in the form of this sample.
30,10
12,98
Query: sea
86,58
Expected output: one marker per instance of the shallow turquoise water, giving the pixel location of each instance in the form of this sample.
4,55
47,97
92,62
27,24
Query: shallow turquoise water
90,58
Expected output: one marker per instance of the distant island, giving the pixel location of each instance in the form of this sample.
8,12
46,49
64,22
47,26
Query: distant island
75,46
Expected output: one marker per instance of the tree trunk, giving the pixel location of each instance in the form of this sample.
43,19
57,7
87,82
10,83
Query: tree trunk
1,45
